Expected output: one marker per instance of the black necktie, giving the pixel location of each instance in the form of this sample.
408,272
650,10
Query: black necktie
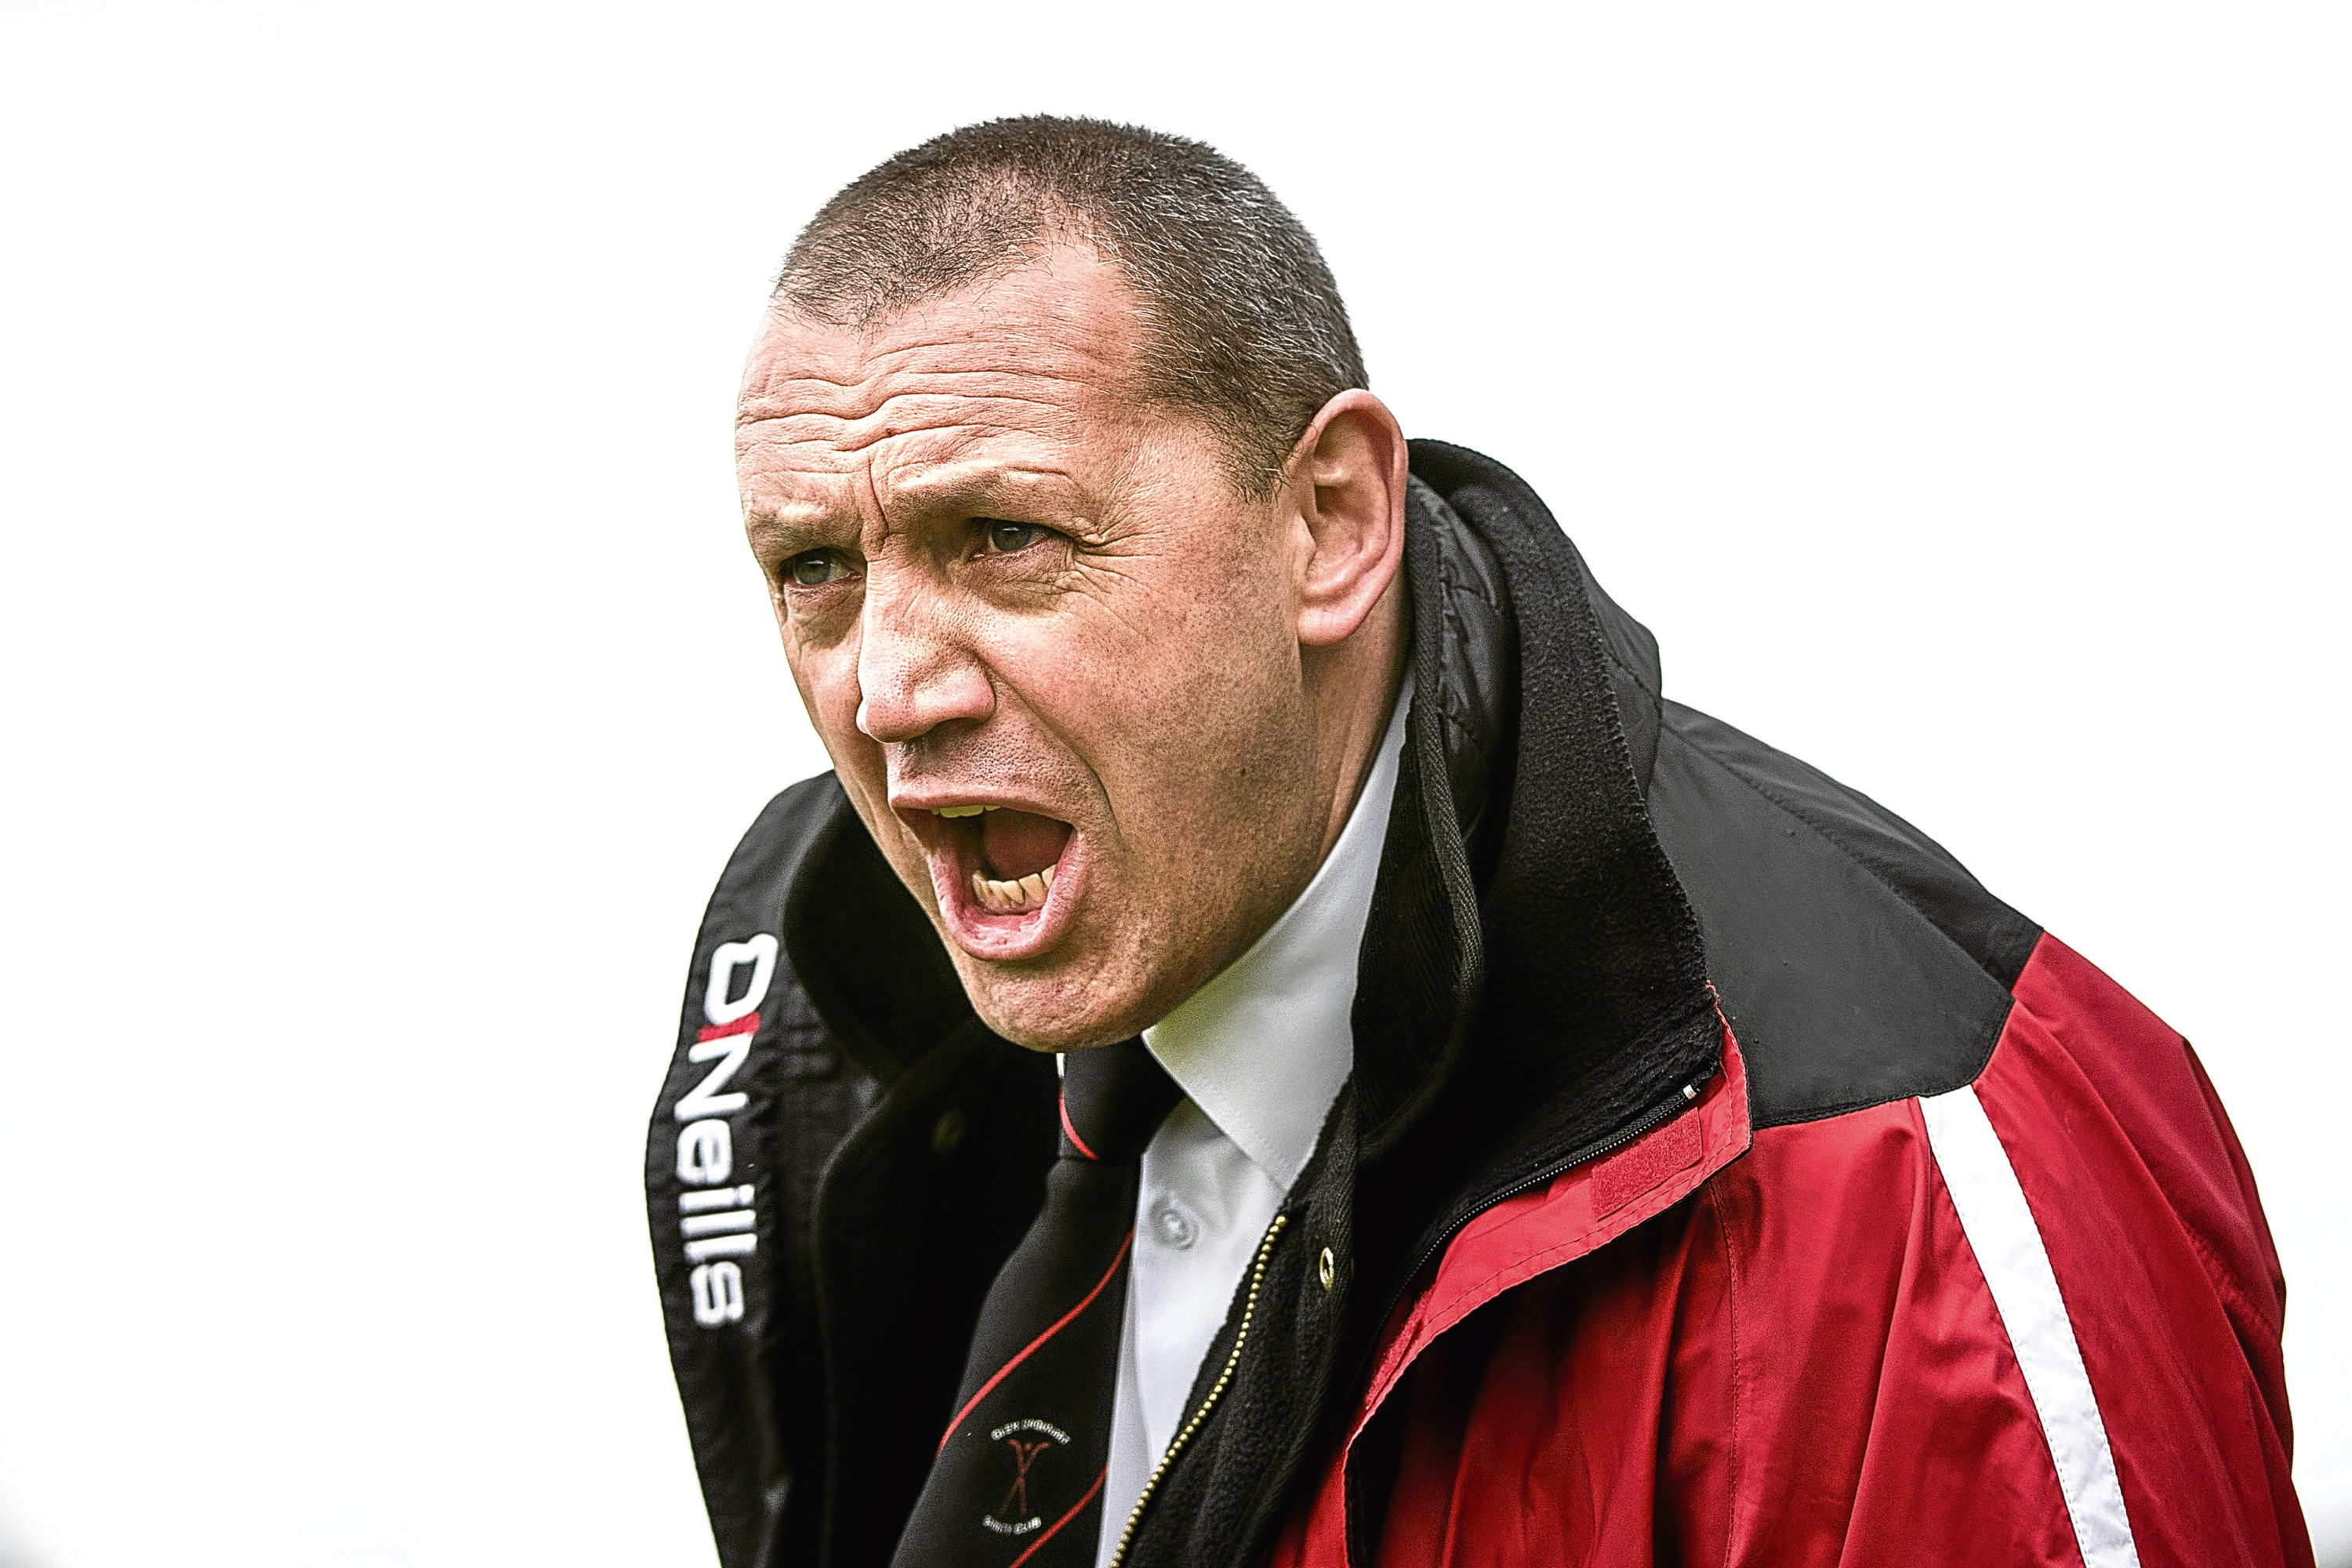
1018,1479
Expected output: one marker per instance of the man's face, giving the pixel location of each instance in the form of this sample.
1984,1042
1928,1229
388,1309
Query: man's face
1053,651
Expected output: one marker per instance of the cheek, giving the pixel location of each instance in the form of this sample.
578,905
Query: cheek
1173,709
828,679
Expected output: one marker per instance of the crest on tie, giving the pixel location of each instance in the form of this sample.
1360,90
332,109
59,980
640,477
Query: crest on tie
1028,1443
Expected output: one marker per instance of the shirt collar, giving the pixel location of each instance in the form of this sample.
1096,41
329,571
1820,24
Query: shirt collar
1263,1047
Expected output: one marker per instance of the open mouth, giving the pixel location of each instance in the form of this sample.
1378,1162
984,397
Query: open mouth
1007,858
995,869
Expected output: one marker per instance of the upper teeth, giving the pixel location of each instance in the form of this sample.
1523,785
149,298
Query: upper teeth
961,810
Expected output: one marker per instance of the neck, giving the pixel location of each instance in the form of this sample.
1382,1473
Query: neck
1353,686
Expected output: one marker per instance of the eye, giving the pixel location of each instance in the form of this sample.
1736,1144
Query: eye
815,568
1009,538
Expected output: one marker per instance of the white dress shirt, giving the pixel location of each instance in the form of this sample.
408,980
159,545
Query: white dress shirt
1260,1052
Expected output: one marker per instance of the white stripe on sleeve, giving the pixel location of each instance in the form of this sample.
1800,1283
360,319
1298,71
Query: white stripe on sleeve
2002,1232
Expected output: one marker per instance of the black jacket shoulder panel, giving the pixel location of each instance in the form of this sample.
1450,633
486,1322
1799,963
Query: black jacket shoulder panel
1913,865
1857,961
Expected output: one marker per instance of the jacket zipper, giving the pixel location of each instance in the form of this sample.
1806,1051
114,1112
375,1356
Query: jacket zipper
1649,1121
1216,1390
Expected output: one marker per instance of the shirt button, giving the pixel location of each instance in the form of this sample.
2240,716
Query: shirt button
1173,1226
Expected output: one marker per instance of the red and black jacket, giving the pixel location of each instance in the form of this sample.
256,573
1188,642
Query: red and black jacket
1725,1175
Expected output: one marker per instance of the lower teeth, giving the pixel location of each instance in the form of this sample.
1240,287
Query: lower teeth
1014,897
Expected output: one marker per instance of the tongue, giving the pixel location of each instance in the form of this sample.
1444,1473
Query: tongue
1016,843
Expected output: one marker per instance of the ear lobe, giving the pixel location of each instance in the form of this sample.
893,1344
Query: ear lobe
1348,482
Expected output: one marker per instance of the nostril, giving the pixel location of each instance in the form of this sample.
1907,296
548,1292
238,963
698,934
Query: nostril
893,718
895,706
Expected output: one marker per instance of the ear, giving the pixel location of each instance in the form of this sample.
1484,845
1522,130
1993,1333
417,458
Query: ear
1346,480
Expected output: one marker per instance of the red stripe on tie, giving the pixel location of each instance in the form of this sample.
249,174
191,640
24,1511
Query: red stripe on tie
1075,1509
1032,1346
1072,1133
749,1024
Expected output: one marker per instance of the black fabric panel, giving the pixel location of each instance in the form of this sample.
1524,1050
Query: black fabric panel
864,951
1919,870
1843,993
1479,648
750,1386
919,1211
1465,648
811,1099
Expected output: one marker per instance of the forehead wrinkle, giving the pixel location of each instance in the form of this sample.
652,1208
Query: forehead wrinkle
905,466
957,421
848,378
895,486
869,417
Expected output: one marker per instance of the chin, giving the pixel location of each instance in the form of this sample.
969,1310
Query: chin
1068,1012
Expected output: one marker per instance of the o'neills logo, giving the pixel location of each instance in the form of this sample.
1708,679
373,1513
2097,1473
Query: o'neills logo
716,1217
1026,1442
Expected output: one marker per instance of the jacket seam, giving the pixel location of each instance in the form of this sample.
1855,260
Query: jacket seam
1853,1107
1731,1309
1790,809
2219,1276
1798,813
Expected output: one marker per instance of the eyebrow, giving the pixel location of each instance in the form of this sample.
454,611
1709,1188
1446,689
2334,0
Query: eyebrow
973,490
789,532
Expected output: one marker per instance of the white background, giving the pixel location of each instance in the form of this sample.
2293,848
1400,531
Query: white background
1962,398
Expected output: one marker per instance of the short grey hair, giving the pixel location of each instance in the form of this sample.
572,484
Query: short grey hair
1242,325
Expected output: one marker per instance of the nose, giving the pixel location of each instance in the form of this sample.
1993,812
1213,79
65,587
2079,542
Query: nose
913,675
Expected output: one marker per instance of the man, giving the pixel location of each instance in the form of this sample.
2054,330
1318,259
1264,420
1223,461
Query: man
1503,1116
